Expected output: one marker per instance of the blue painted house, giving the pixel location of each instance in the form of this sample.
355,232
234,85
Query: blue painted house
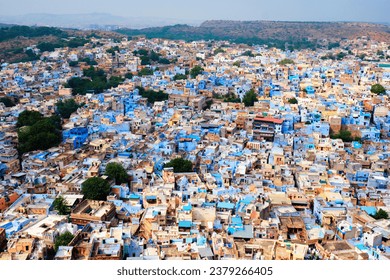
77,135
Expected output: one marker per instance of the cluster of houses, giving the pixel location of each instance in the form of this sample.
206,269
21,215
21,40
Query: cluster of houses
268,181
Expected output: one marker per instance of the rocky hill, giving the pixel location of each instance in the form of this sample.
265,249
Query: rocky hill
286,30
277,33
14,39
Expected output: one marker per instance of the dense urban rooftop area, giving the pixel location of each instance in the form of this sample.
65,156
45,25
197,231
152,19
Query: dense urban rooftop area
159,149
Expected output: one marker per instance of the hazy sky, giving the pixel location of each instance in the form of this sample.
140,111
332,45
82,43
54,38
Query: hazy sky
305,10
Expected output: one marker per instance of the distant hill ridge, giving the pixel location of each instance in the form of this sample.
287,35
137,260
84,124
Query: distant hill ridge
302,28
263,31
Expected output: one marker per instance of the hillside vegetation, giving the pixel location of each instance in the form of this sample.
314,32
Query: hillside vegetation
295,35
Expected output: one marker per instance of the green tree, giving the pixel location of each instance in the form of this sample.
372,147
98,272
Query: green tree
67,107
117,172
362,56
142,52
145,60
378,89
145,72
95,188
381,214
114,81
195,71
231,97
56,121
59,204
149,57
341,55
152,95
208,104
8,102
286,61
179,77
163,60
129,75
89,61
333,45
48,47
73,63
248,53
113,50
180,165
293,101
63,240
237,63
42,135
250,98
76,42
154,56
31,55
95,80
27,118
219,50
94,73
26,31
344,135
